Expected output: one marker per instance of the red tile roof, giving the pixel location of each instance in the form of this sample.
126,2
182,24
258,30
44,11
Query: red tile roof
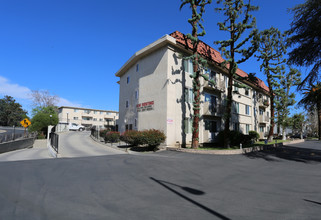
211,54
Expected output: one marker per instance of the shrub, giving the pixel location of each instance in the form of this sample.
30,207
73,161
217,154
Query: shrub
102,133
41,136
235,137
254,135
151,137
132,137
112,137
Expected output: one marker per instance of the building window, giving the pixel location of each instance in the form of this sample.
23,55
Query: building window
211,126
100,119
127,104
226,81
212,100
247,129
247,92
188,66
188,125
236,88
87,111
261,111
247,110
128,79
236,126
129,127
95,119
189,95
137,67
261,128
136,94
236,107
95,112
211,74
75,118
75,110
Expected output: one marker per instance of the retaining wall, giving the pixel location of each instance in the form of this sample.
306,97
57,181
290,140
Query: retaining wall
16,145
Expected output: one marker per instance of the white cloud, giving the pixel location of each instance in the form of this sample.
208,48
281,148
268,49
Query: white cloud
65,102
24,93
14,90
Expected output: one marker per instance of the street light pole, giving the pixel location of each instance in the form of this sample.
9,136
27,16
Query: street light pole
50,119
14,132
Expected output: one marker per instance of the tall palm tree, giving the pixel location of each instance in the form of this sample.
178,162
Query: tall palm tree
312,100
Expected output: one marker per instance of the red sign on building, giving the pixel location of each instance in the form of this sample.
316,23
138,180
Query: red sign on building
145,106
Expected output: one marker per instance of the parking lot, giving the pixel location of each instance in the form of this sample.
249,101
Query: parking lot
165,185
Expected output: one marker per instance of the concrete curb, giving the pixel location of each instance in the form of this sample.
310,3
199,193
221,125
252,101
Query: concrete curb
233,152
111,146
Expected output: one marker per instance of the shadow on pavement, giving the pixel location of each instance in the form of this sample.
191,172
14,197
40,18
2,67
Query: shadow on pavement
307,200
192,191
297,154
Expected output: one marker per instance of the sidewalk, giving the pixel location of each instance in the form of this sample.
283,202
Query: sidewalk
39,151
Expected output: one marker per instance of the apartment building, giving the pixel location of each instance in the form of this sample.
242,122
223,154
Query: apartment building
156,92
88,117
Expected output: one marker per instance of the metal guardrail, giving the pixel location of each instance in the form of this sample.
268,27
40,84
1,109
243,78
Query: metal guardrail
95,133
11,137
54,141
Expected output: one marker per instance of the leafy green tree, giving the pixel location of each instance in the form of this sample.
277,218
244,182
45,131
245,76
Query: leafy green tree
11,112
198,8
311,101
41,119
237,22
306,39
298,123
286,98
272,47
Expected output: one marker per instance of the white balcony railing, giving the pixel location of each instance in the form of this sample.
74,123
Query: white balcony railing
219,85
264,118
210,109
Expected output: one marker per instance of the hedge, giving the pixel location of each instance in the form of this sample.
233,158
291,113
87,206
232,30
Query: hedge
236,138
112,137
102,133
151,137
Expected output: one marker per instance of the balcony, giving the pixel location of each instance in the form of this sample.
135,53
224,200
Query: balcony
263,103
219,86
264,119
213,110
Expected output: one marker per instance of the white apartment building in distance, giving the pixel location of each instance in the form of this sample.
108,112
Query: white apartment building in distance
156,93
88,117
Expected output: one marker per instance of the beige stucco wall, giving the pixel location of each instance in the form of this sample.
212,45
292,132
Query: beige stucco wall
161,78
150,82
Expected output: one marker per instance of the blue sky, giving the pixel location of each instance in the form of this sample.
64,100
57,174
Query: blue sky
73,48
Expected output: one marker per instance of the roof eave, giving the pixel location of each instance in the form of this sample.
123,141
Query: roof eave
145,51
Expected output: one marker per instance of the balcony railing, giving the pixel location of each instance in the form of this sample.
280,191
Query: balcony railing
264,118
220,86
263,102
214,110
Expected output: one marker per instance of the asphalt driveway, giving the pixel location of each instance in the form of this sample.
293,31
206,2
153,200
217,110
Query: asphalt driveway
165,185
